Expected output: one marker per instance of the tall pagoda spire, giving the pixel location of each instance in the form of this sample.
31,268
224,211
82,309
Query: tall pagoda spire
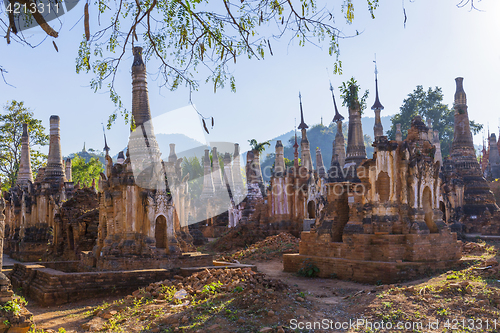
106,148
477,194
54,171
108,161
462,148
378,130
338,151
25,174
338,117
302,124
356,151
143,147
304,143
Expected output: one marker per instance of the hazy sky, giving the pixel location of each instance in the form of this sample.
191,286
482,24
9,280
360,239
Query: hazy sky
439,43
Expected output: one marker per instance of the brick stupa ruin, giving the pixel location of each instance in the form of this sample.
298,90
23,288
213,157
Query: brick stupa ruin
388,218
31,230
135,233
142,214
387,222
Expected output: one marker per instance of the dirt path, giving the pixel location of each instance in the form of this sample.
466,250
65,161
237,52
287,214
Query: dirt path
69,316
330,299
319,288
327,299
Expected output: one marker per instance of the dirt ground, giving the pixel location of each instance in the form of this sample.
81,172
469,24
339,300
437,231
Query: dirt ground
68,316
471,293
328,298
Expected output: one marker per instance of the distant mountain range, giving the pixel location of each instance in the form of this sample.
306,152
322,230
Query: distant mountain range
87,155
321,137
184,146
318,135
366,122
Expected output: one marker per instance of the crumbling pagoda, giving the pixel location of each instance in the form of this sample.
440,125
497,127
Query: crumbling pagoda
32,231
469,203
385,222
143,200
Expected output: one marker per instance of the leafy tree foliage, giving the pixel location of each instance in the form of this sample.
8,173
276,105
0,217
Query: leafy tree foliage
368,141
181,35
193,167
88,154
259,146
288,162
219,156
85,172
11,129
428,104
349,92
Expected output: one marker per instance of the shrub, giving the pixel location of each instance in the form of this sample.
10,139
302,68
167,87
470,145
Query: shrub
308,269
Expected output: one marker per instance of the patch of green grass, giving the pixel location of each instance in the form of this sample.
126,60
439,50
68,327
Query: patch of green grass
238,289
15,305
387,305
443,312
211,288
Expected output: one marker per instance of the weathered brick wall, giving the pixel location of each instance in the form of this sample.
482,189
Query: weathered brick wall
365,271
28,252
409,247
47,286
57,283
76,225
371,257
109,263
495,188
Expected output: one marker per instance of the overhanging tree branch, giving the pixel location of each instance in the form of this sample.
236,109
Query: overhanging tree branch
183,34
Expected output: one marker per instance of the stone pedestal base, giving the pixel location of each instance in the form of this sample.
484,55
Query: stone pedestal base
364,271
136,245
12,321
193,259
372,258
30,251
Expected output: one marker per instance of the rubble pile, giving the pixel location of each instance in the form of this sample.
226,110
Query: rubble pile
456,295
477,249
224,300
271,247
238,238
228,279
